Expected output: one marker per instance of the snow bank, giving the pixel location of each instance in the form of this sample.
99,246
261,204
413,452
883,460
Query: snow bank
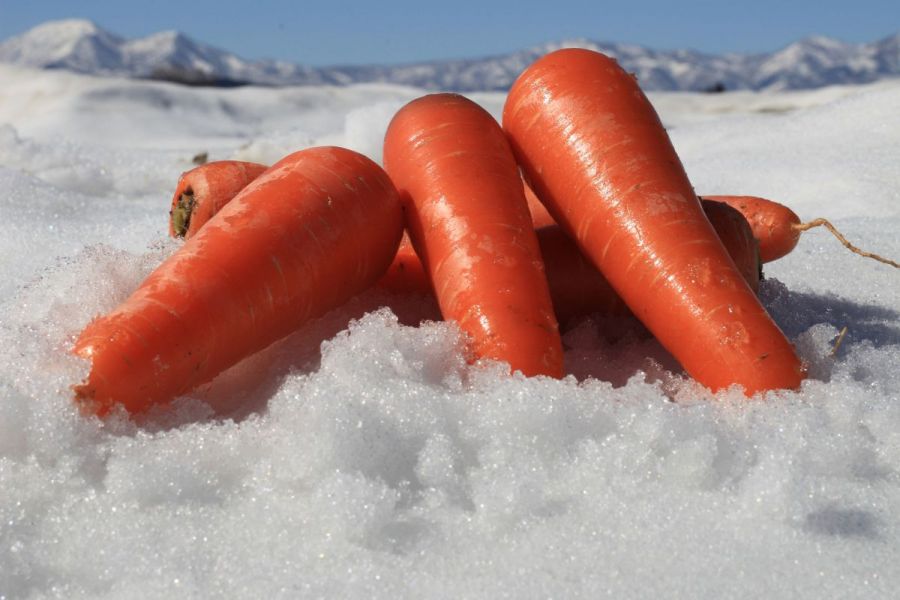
362,457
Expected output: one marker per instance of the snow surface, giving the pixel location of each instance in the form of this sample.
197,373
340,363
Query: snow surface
362,457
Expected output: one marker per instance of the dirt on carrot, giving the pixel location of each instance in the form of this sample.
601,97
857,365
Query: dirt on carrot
204,190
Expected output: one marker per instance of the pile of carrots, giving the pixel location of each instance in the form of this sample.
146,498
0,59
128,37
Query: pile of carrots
578,204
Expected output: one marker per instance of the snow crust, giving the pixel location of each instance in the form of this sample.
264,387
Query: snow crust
362,457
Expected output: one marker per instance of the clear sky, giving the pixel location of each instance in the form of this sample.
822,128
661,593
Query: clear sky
343,32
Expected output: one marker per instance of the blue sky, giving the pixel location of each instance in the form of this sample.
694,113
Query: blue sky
342,32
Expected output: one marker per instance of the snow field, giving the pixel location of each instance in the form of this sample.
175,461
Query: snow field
363,457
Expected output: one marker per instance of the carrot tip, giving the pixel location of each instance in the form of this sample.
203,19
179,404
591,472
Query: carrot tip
181,214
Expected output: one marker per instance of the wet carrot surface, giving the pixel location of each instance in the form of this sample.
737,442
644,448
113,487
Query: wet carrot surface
316,228
593,149
469,222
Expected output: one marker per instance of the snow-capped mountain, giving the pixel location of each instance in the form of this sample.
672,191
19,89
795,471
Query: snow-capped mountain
82,46
71,44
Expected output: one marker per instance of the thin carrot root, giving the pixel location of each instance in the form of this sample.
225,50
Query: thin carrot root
827,225
837,344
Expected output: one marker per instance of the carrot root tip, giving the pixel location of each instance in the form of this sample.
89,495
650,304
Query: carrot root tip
834,231
837,343
181,214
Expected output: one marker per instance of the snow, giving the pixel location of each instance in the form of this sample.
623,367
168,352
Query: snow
362,457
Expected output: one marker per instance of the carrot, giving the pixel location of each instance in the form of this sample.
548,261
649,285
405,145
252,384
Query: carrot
735,233
315,229
778,228
578,288
468,221
406,275
772,223
539,215
731,226
594,150
203,191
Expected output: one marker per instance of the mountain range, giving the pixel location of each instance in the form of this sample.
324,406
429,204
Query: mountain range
82,46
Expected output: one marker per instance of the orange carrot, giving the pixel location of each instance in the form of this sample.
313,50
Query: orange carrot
468,221
203,191
578,288
315,229
730,224
735,233
778,228
773,224
406,275
594,150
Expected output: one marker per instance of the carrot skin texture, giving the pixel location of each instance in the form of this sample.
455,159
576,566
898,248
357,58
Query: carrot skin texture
595,152
211,186
315,229
735,233
469,222
732,228
214,184
579,289
773,224
406,275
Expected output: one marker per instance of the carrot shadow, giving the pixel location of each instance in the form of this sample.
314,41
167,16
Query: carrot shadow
796,312
615,349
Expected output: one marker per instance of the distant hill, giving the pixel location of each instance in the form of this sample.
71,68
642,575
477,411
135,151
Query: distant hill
82,46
